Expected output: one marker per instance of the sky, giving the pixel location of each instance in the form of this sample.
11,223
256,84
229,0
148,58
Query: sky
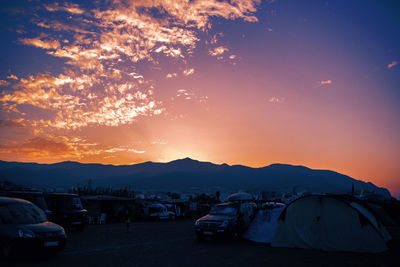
313,83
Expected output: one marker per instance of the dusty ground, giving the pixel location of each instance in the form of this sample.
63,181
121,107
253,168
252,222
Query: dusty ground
174,244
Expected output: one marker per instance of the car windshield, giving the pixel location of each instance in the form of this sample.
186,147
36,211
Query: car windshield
21,213
223,210
37,200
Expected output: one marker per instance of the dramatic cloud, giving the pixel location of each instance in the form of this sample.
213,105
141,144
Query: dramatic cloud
188,72
59,147
45,44
39,147
12,77
326,82
159,142
3,83
71,8
101,47
276,99
391,65
217,51
123,149
12,123
105,54
171,75
190,95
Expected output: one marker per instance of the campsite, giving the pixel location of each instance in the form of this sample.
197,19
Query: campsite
199,133
307,230
173,243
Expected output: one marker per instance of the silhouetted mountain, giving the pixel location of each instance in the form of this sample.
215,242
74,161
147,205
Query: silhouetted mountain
184,175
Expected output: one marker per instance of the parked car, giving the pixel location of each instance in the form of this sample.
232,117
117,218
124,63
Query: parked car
36,198
160,212
24,229
226,220
67,210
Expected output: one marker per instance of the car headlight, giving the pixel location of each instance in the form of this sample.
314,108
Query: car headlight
25,233
197,223
224,223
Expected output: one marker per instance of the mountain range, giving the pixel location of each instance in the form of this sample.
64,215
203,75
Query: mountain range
184,175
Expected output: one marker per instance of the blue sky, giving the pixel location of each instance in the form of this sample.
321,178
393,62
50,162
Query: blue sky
312,83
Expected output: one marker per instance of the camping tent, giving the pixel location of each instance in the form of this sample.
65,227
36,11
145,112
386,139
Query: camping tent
263,227
330,223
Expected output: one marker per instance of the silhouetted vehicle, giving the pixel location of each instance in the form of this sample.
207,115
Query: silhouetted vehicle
227,220
36,198
67,210
24,229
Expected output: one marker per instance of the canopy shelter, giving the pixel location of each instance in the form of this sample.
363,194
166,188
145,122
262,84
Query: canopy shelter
330,223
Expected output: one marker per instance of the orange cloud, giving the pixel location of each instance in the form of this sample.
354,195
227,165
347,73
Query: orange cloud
217,51
326,82
171,75
101,84
45,44
12,76
4,83
68,7
12,123
276,99
39,147
391,65
188,72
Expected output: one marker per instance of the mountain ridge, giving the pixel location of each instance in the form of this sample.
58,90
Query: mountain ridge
183,175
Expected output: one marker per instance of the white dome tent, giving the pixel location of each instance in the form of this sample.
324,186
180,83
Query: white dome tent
240,196
263,227
330,223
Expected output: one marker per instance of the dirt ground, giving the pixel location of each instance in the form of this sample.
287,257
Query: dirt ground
174,244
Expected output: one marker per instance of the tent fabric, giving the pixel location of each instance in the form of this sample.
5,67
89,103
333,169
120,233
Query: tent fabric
374,221
262,228
328,223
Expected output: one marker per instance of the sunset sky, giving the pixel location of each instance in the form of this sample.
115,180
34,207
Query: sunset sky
314,83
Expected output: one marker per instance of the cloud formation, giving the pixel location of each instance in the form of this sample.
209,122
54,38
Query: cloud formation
275,99
12,76
3,83
188,72
326,82
45,44
104,52
101,46
217,51
171,75
391,65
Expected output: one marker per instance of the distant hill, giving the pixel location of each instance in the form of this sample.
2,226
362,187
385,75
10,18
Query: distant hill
184,175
